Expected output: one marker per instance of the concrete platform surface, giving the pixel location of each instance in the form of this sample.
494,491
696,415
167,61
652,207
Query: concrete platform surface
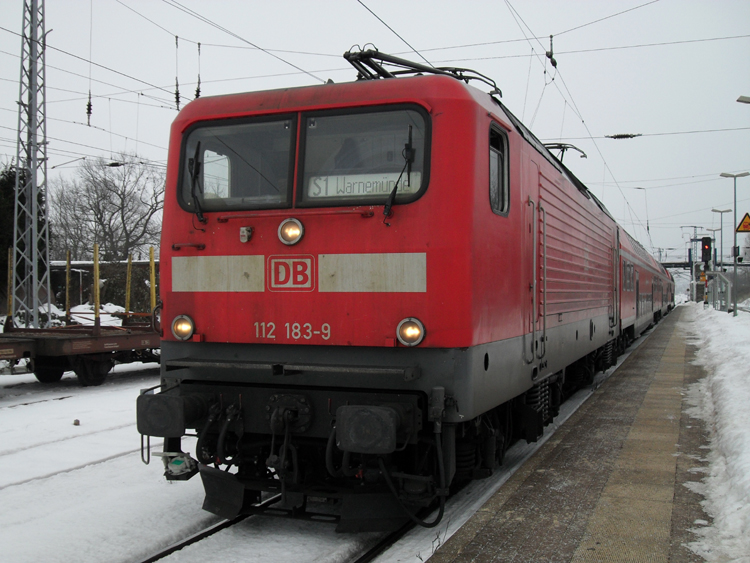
609,486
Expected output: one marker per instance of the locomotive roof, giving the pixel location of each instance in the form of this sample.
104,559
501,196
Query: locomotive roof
365,92
644,255
376,87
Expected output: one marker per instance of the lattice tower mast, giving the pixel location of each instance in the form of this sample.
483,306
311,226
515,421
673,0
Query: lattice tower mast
31,287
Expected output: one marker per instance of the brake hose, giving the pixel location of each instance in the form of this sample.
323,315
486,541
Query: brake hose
213,414
441,471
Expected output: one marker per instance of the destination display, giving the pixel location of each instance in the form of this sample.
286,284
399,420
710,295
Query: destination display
362,185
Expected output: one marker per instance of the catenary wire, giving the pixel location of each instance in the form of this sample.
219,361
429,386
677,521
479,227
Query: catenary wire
193,13
122,91
394,32
711,175
723,130
576,110
172,34
606,18
433,49
98,65
600,49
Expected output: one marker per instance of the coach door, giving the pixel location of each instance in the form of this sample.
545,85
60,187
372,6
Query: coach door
614,296
637,295
538,246
536,243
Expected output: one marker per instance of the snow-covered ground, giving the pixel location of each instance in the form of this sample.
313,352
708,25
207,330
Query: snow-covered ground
79,492
72,487
722,400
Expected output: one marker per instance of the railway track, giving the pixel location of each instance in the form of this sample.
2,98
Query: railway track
369,553
198,536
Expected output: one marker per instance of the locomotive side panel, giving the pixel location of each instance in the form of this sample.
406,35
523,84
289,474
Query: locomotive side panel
579,270
493,370
576,269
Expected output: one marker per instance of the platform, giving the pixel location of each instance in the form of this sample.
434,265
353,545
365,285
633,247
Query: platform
609,485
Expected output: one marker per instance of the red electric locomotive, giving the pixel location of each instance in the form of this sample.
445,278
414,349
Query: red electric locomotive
371,289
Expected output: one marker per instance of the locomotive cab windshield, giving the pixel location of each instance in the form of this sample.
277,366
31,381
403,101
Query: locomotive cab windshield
354,157
244,165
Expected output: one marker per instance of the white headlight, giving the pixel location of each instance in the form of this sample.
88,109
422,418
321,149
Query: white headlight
410,332
183,327
291,231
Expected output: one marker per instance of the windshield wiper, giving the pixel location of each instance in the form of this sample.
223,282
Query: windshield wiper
194,167
409,154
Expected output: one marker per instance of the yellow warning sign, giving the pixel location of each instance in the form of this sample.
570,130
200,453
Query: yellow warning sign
744,226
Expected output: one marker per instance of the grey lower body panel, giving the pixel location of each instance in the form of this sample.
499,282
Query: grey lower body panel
476,379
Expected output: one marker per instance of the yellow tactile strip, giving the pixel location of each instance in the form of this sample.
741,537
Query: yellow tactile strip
633,519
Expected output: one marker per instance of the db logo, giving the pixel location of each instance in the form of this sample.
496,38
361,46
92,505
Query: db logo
291,273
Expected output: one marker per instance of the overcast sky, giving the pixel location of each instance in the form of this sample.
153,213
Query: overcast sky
669,70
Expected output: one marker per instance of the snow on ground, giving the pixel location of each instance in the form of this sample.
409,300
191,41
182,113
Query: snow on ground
80,492
722,400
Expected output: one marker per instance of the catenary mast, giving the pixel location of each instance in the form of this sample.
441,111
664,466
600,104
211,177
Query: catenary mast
31,287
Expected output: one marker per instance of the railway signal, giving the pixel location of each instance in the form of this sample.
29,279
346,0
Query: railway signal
706,249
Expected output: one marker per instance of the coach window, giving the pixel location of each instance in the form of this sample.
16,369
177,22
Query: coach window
628,275
499,199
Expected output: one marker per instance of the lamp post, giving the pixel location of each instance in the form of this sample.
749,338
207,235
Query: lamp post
715,288
721,253
734,246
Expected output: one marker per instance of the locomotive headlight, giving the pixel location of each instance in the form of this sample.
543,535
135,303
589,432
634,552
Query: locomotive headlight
183,327
291,231
410,332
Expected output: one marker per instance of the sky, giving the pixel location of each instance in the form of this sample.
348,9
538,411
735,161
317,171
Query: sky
667,70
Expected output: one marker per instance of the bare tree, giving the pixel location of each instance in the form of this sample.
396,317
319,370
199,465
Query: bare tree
116,204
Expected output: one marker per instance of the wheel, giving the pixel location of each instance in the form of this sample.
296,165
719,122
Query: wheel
48,375
91,371
49,370
505,432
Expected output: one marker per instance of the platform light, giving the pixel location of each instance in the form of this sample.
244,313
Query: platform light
183,327
291,231
410,332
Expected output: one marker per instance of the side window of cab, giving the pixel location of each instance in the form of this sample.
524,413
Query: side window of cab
499,192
